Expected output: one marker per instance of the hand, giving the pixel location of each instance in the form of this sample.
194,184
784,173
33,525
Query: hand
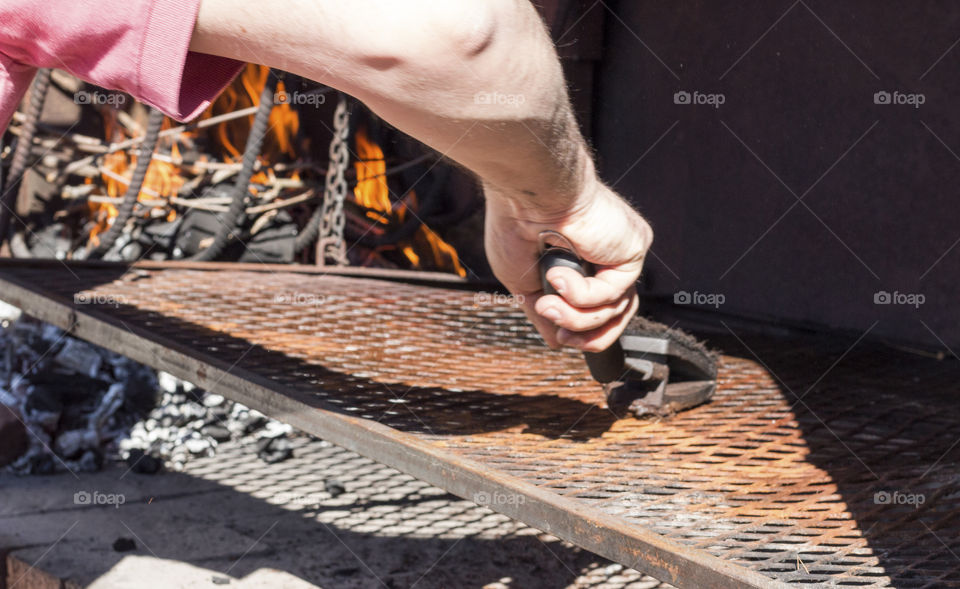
589,313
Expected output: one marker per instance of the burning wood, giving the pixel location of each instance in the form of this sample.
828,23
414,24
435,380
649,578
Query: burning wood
373,195
180,203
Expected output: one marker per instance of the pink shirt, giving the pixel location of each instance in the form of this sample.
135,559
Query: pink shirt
138,46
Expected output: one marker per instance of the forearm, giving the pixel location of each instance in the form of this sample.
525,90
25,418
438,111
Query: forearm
478,81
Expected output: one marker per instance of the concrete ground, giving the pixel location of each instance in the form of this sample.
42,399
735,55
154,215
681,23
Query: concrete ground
233,520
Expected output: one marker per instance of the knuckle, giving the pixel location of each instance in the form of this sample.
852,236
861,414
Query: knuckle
595,293
588,321
646,235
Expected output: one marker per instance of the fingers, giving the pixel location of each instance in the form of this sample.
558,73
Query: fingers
591,330
601,338
562,314
546,327
606,287
589,313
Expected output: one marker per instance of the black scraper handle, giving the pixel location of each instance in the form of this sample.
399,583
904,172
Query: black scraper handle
605,366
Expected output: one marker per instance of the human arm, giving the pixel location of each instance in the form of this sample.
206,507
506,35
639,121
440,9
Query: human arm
480,82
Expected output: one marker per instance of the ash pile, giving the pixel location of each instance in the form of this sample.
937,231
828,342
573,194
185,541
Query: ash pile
70,406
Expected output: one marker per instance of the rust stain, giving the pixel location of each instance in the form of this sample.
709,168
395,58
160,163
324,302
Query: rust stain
753,477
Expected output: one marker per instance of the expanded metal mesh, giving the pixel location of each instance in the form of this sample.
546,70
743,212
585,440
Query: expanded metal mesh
805,468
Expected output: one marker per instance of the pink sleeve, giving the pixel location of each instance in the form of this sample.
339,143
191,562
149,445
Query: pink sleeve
137,46
14,80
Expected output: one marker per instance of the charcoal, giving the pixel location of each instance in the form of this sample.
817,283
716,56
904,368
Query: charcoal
275,429
217,432
142,463
43,408
168,383
140,393
91,461
82,405
128,252
199,225
80,357
43,465
160,235
346,571
274,450
219,414
272,245
334,487
191,411
67,385
253,423
71,443
124,545
51,241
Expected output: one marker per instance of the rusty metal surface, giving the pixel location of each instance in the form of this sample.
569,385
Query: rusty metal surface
776,479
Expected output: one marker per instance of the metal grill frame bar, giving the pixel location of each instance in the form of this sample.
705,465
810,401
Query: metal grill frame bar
628,544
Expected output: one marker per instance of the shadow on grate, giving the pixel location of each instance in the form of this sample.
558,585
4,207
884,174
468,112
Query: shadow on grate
817,462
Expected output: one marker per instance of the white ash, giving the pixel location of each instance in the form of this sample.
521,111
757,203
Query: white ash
8,314
188,421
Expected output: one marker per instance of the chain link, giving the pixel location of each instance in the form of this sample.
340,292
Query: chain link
331,245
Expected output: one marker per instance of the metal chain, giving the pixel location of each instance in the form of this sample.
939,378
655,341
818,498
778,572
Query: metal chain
331,245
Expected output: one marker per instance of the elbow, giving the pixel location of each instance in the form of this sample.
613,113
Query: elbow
461,31
443,40
456,59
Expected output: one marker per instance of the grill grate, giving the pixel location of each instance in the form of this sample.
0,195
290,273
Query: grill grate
779,474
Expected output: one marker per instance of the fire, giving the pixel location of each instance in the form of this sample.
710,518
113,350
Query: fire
371,191
165,178
161,182
373,194
244,93
167,175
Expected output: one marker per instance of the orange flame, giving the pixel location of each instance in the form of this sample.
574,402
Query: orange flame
371,191
373,194
244,92
164,179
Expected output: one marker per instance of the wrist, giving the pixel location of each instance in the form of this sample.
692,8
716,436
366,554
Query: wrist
530,218
547,193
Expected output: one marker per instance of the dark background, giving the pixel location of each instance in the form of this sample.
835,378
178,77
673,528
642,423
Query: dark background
878,183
